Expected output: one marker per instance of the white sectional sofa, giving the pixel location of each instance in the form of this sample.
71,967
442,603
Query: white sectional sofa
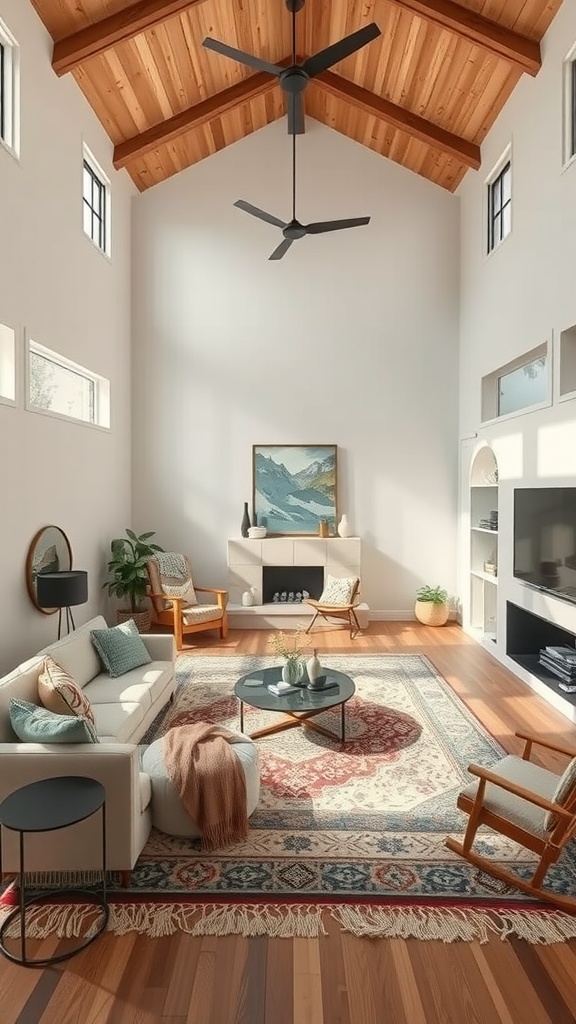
123,707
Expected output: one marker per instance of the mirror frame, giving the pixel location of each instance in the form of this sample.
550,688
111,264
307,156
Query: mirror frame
33,552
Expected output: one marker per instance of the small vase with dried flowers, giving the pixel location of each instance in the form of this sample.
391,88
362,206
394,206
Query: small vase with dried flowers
290,646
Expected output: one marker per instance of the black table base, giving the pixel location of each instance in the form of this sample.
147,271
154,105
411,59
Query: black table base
56,897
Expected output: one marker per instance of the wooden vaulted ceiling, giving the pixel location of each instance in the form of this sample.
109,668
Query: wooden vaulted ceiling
423,94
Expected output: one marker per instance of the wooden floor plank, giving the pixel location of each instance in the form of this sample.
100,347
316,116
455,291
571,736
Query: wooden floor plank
338,978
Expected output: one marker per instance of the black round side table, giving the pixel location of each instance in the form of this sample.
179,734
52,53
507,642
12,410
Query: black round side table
44,807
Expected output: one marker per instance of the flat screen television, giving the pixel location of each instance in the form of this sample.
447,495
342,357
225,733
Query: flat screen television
545,539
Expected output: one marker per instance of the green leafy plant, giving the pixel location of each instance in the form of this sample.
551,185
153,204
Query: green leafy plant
128,567
437,595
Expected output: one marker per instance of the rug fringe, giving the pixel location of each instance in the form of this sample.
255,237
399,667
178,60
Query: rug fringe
452,925
444,924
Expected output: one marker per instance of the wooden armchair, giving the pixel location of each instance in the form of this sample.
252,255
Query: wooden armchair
338,601
174,603
528,804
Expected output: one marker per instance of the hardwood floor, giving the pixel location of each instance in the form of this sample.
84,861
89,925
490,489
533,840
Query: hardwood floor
338,979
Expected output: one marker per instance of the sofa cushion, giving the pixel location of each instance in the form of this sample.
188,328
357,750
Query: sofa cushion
75,652
140,686
117,722
59,693
22,683
120,648
33,723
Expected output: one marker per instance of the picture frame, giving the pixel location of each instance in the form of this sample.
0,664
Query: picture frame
294,487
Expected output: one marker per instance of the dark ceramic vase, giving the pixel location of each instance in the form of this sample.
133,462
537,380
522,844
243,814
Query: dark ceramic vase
245,521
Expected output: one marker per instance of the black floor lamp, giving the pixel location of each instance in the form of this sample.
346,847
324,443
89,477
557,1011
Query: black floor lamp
62,590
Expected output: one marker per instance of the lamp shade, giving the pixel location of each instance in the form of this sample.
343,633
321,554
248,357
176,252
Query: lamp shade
62,589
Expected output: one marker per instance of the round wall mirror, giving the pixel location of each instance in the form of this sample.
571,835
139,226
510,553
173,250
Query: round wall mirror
49,551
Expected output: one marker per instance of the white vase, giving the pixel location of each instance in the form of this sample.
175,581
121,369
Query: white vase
313,668
344,528
248,598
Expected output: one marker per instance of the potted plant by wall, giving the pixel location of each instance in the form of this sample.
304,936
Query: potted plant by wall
127,568
432,607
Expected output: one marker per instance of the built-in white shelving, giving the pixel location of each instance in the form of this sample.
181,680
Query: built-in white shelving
483,545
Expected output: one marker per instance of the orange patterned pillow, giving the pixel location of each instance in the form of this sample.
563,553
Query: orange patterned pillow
60,693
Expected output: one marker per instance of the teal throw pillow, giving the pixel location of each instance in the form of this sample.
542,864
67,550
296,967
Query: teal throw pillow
33,723
120,648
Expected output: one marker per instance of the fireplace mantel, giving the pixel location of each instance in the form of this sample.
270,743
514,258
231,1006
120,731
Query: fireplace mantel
339,557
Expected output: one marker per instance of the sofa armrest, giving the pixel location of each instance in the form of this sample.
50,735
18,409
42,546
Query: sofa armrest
160,646
115,765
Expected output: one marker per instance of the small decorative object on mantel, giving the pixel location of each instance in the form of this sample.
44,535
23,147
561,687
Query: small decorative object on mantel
248,597
323,528
313,669
245,525
344,528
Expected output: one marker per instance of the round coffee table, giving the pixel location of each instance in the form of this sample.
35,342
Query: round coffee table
45,806
298,707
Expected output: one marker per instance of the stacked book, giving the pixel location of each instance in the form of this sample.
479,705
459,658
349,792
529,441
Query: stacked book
561,661
490,522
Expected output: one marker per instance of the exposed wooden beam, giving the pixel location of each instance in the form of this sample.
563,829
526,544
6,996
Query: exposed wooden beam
193,117
426,131
503,42
68,53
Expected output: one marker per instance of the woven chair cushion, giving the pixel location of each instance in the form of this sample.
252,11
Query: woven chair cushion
563,791
201,613
339,590
172,585
513,808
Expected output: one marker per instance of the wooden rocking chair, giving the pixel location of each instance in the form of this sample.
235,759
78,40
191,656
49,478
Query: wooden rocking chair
528,804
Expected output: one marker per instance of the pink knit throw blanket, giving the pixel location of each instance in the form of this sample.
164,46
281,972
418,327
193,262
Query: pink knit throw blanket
206,773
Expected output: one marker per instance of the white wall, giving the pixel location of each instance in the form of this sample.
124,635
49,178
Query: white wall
520,296
57,286
350,339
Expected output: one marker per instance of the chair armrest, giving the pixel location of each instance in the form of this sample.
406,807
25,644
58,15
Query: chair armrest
569,751
210,590
511,787
221,595
160,646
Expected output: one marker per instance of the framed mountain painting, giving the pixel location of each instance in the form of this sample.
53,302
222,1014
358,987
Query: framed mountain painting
294,487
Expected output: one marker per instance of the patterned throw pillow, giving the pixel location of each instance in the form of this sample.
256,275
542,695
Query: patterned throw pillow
59,693
338,591
563,790
120,648
35,724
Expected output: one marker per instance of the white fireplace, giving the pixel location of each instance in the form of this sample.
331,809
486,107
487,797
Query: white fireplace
246,561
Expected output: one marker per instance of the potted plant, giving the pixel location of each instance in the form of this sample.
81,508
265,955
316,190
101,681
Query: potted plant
127,567
432,607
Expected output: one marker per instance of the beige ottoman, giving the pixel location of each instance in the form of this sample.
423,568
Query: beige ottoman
168,814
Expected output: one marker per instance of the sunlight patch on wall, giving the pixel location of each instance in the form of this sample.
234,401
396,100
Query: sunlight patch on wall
556,450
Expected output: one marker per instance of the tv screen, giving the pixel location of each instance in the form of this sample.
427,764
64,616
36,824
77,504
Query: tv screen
545,539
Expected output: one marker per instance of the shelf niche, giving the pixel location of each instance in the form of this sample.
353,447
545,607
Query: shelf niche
526,635
484,543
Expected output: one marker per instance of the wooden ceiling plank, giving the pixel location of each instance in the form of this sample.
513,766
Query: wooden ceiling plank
117,28
193,117
501,41
404,120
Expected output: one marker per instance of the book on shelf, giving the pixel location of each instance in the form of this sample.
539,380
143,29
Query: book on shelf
567,674
562,653
567,687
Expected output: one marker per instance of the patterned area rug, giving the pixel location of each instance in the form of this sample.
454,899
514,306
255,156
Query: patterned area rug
356,831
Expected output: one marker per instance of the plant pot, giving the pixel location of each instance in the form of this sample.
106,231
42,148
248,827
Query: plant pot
431,614
143,619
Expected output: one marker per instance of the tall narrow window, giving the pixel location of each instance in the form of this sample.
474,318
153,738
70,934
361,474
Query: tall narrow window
499,206
572,126
96,203
569,147
9,90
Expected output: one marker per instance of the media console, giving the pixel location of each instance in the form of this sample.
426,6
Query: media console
526,634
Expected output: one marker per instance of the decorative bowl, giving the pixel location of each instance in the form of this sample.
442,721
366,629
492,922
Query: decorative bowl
256,532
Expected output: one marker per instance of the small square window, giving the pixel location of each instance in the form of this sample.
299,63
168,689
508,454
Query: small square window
95,203
499,206
9,90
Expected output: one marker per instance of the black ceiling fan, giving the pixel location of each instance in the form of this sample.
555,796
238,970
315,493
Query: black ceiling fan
293,229
295,78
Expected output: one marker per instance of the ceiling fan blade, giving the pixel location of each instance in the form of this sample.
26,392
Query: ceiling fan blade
335,225
281,249
241,57
338,51
261,214
296,123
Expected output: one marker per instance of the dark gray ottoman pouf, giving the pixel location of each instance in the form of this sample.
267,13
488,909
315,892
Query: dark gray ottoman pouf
168,814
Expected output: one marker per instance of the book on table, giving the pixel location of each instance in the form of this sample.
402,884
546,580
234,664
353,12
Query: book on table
279,689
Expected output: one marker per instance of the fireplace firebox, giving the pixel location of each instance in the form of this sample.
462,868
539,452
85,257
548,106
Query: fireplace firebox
291,579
